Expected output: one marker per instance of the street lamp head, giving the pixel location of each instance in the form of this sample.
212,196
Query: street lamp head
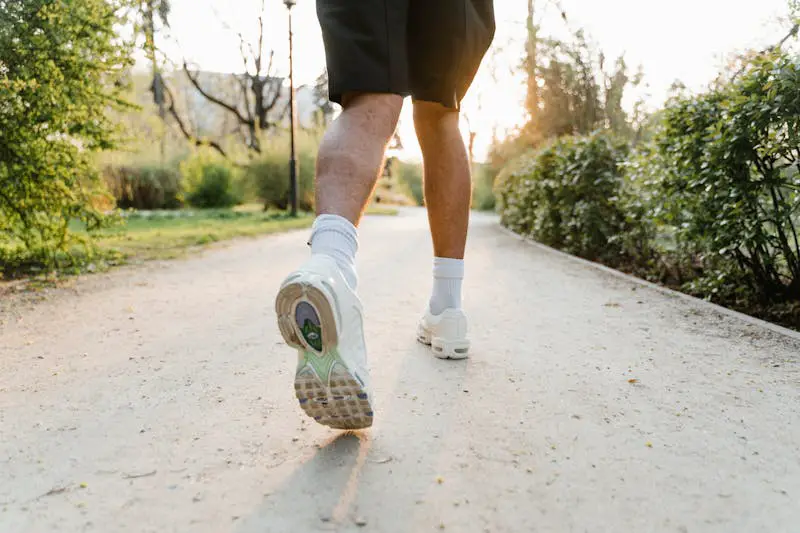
290,3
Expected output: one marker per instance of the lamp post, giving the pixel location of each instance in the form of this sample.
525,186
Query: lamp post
292,118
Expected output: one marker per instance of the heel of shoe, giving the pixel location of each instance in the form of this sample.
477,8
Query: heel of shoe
286,303
450,349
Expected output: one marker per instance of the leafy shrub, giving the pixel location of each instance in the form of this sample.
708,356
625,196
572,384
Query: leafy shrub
60,64
723,174
144,187
209,181
269,174
572,195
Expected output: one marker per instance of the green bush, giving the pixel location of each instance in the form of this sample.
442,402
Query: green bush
209,181
61,65
723,175
572,195
268,175
144,187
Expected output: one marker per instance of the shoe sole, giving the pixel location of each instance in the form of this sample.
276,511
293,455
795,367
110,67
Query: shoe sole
444,349
326,389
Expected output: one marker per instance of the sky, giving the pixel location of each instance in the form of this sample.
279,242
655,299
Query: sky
680,39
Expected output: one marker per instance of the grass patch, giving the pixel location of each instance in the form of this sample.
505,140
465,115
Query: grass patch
381,210
147,235
167,234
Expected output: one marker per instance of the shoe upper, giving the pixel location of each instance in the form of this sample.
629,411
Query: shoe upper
451,325
347,308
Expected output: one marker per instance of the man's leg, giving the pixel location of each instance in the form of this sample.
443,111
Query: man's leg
350,159
448,192
318,310
351,154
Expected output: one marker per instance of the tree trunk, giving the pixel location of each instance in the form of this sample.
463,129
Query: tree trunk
532,98
157,84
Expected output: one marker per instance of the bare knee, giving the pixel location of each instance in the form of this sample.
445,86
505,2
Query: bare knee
433,120
381,109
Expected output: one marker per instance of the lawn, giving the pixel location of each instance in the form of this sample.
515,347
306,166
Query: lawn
167,234
145,235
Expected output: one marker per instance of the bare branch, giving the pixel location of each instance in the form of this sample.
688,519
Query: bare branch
210,97
274,99
271,58
258,55
243,84
244,56
186,133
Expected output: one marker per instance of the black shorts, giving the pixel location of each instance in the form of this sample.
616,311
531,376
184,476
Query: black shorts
429,49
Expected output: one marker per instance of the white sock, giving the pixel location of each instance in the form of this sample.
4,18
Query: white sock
447,277
337,238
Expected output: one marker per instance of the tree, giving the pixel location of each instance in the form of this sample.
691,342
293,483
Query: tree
531,63
575,94
60,70
254,110
152,10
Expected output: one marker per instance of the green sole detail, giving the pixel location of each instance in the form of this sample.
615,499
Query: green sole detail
322,363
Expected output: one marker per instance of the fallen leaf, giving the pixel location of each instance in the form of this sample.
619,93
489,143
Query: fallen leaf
633,380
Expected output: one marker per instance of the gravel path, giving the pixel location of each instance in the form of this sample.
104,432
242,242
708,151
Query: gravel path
159,399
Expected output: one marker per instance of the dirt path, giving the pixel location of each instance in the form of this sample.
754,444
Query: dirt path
159,399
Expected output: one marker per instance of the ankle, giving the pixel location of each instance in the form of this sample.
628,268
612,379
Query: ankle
337,238
448,275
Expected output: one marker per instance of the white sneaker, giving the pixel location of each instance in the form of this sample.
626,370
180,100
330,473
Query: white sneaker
446,334
321,316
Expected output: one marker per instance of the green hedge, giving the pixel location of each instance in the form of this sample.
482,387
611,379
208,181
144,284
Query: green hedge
710,205
572,195
722,174
144,186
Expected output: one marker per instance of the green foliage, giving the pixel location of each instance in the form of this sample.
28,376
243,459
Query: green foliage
269,174
724,173
483,197
209,181
572,195
60,62
710,204
144,187
409,178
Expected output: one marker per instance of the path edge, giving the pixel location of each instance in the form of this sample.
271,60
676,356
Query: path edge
775,328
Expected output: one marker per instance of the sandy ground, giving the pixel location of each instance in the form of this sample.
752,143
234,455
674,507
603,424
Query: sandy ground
159,399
